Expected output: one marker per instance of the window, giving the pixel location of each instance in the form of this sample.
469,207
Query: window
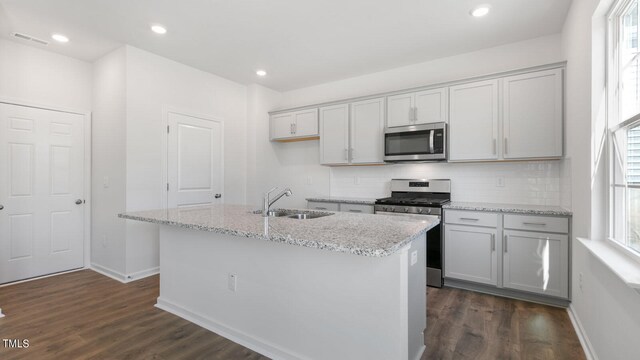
624,124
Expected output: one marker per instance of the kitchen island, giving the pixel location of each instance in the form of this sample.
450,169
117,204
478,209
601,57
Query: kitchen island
339,286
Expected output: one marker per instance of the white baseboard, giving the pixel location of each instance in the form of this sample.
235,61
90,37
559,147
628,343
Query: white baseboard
42,277
267,349
116,275
143,274
589,353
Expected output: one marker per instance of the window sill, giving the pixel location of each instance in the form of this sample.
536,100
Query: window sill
627,269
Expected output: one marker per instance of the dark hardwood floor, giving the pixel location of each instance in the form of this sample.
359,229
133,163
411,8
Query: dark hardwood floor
84,315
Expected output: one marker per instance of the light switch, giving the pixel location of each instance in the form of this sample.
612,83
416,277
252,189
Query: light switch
105,182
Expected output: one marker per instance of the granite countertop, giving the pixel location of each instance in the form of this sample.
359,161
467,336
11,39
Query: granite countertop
344,200
509,208
358,234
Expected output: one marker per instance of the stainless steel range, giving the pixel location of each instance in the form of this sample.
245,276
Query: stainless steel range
417,198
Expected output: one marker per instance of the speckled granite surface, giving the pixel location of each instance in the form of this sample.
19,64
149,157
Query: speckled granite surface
343,200
358,234
509,208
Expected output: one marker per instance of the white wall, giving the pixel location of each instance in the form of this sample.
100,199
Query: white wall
294,165
527,183
108,238
154,82
532,183
605,306
132,87
513,56
44,78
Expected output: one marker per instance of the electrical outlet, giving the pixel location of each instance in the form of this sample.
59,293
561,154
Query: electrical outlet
580,281
105,182
309,180
231,282
414,257
500,181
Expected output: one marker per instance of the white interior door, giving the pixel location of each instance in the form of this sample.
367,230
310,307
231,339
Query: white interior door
195,166
41,179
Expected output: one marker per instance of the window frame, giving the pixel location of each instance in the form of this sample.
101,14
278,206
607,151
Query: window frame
613,111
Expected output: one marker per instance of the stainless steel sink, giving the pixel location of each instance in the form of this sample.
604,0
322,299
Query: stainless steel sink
295,214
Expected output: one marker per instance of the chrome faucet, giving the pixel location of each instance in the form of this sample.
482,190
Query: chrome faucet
268,202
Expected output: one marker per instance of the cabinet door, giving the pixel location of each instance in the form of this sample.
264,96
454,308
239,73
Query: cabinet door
470,254
473,121
532,115
367,131
326,206
400,111
306,123
334,134
282,126
536,262
431,106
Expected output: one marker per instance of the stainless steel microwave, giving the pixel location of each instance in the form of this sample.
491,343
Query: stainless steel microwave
416,143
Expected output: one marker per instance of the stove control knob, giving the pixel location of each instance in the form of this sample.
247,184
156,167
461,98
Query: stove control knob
420,211
429,211
406,209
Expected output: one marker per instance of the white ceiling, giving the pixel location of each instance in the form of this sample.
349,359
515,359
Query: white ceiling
299,42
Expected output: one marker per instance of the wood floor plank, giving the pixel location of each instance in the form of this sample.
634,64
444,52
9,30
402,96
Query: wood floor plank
84,315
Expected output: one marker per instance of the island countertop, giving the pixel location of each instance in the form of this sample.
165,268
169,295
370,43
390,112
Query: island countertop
358,234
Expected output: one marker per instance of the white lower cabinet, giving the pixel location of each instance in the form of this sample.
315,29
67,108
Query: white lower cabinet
343,207
505,254
536,262
470,254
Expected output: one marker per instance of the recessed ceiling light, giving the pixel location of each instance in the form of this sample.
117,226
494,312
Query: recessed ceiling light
158,29
60,38
261,73
480,11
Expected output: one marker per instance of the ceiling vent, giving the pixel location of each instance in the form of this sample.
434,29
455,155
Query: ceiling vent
30,38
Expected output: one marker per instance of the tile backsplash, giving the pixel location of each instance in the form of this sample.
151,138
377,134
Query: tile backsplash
531,182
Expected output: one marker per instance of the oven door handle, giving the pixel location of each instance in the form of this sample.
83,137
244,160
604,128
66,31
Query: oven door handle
431,147
415,216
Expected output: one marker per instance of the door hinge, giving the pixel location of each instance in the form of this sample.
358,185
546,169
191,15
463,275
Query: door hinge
167,129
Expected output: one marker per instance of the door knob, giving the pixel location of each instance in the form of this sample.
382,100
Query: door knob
218,196
79,201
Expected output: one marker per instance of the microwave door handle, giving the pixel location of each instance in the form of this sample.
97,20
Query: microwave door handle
431,135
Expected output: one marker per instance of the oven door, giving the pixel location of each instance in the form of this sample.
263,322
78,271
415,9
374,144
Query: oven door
415,143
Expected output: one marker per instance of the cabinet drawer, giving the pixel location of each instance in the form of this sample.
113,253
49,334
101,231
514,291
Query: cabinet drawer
474,218
357,208
537,223
322,206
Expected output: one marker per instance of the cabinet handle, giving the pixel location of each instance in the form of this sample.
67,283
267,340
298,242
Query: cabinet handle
493,242
506,238
415,114
534,223
291,129
295,128
320,208
495,146
469,219
505,145
355,211
352,153
410,114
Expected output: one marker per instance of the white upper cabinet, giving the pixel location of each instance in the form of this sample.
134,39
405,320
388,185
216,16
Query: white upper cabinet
367,131
295,125
431,106
473,121
423,107
334,134
532,115
400,111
